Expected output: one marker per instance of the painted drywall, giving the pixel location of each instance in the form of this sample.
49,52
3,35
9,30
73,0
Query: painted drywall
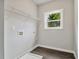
58,38
16,45
27,6
76,28
1,29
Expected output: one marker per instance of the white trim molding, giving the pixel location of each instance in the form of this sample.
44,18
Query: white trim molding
49,47
26,51
46,15
76,57
59,49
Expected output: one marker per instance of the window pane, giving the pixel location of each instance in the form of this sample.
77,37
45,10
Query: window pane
54,16
54,24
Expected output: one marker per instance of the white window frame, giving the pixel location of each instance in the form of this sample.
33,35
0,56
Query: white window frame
46,19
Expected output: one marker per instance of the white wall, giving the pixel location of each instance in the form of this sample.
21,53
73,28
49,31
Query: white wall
76,28
62,38
26,6
1,29
15,45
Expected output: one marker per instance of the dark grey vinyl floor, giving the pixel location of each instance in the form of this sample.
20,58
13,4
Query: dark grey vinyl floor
52,54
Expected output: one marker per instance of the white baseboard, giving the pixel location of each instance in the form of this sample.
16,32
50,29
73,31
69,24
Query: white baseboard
32,48
26,51
59,49
75,55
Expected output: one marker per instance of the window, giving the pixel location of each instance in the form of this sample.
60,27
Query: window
53,20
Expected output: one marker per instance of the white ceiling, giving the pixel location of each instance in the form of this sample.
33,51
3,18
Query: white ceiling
41,1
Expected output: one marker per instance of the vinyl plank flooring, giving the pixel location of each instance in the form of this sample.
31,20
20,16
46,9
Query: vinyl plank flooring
52,54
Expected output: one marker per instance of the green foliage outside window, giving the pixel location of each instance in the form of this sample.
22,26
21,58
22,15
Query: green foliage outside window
54,16
54,24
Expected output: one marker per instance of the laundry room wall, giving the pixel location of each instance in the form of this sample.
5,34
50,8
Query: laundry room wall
1,29
16,44
58,38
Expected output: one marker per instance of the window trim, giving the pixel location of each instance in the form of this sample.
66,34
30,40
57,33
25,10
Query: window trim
46,20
